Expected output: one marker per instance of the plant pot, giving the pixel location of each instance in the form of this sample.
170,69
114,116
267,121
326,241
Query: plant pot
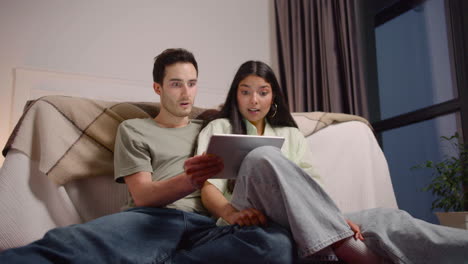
453,219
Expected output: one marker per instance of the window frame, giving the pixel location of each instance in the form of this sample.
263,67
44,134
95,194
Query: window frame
457,28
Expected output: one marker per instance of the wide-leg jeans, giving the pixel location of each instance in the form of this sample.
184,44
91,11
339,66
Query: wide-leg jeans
273,184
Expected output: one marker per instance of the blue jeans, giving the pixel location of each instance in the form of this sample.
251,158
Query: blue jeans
156,235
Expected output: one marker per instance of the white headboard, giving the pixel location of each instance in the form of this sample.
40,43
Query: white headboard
32,83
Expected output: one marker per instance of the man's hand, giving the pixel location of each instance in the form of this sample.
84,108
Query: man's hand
247,217
356,229
202,167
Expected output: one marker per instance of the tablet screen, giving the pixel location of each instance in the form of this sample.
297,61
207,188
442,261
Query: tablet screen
233,148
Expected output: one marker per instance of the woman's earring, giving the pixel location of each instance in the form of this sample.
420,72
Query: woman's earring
275,109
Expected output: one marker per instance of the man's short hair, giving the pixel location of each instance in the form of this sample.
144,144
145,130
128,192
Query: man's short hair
169,57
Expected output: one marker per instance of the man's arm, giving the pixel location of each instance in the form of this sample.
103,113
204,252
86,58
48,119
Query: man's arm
146,192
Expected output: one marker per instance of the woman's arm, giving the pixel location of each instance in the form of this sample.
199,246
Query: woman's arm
219,206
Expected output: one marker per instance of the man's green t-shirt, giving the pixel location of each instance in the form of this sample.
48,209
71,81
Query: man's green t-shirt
142,145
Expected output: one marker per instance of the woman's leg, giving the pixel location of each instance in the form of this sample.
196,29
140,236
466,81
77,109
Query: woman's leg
290,197
404,239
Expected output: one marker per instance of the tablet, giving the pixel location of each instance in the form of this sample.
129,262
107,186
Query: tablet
233,148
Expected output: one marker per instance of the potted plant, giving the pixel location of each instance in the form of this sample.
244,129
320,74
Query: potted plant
450,185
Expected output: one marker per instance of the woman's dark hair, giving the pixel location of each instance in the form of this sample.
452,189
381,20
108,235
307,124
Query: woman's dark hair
230,108
231,111
169,57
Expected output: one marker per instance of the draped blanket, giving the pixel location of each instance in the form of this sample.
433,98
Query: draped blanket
73,137
311,122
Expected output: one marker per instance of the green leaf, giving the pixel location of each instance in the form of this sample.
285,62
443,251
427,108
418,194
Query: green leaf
448,177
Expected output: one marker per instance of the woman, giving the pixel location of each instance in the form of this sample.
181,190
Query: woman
283,187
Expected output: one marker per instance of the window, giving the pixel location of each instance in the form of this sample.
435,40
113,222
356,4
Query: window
421,66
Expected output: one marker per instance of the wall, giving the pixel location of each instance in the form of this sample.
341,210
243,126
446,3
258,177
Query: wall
119,39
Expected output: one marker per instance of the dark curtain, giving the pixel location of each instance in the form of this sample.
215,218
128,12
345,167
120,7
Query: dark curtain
321,61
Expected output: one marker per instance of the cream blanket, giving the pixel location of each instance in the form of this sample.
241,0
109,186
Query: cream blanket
311,122
73,138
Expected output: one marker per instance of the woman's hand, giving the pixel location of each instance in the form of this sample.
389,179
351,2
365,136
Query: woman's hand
246,217
202,167
356,229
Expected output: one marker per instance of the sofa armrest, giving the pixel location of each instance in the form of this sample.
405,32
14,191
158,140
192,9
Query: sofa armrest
30,204
352,166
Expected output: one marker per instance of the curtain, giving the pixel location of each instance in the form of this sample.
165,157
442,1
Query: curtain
321,58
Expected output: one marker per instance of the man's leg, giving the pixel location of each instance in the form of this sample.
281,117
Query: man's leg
139,235
404,239
234,244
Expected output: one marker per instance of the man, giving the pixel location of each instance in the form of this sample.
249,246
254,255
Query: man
165,222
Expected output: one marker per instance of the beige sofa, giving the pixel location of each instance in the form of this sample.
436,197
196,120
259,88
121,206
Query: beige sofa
37,192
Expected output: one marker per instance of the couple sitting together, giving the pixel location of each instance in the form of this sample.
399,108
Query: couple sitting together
277,212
